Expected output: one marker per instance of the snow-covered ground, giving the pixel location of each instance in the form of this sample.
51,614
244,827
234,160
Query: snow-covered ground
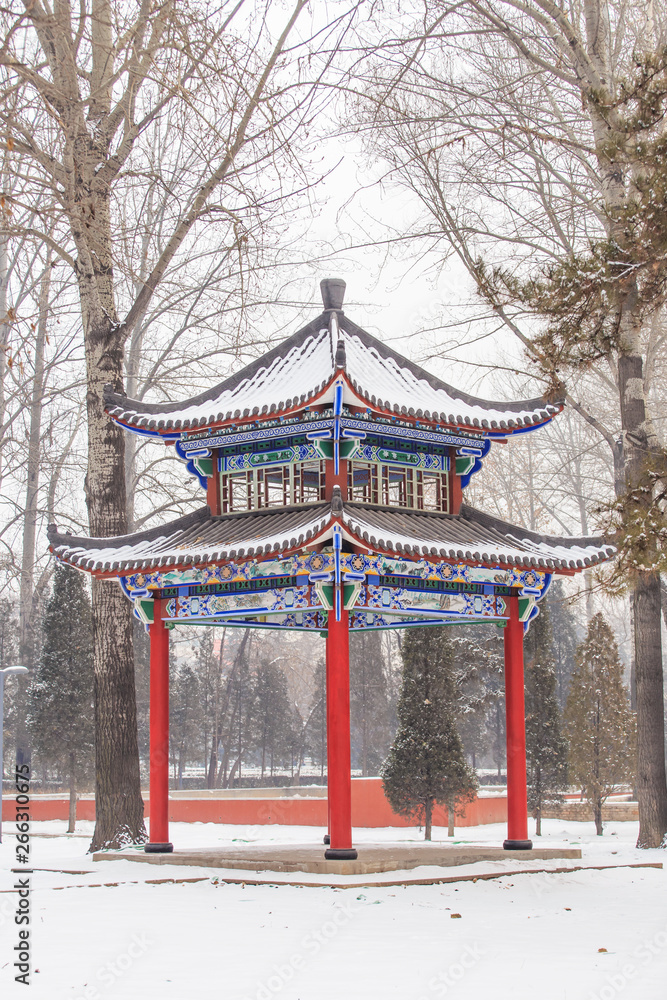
584,935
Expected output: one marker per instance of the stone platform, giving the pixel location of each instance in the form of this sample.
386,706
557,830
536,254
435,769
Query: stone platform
373,858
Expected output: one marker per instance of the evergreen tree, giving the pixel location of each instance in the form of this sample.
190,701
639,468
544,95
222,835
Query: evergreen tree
142,672
369,706
275,725
316,728
599,721
61,720
184,716
426,763
546,747
563,637
479,683
9,630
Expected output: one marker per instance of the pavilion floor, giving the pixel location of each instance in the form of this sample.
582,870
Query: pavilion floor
309,858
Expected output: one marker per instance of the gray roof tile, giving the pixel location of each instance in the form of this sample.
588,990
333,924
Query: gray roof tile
198,538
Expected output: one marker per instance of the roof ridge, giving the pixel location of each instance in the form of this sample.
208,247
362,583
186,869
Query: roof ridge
187,520
56,537
385,351
113,398
489,520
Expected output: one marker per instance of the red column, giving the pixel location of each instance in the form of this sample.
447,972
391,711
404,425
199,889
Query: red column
213,485
515,722
455,491
327,682
338,739
159,735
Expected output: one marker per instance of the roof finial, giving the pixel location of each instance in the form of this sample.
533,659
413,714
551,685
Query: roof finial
336,500
341,360
333,292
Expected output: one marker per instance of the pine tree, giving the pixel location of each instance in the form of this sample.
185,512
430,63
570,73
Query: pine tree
426,763
599,721
274,729
564,637
316,729
142,672
184,716
479,683
369,705
546,747
61,720
9,649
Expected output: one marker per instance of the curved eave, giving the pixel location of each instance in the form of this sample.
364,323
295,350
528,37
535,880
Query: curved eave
201,539
189,541
470,537
376,377
542,413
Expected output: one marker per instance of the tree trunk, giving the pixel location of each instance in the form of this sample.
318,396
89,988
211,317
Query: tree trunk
450,817
119,808
597,814
4,342
72,796
651,784
27,627
428,818
638,443
538,822
213,761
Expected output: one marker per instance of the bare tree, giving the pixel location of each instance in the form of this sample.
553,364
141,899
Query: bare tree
105,74
523,131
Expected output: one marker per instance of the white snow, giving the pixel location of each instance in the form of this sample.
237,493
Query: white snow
492,549
170,547
305,368
525,937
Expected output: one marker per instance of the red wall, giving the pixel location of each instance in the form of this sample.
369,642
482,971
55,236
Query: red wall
370,808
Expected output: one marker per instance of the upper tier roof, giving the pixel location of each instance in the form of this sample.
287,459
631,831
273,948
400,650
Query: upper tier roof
304,368
200,538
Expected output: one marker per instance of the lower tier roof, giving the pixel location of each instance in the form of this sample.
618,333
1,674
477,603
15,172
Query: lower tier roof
200,538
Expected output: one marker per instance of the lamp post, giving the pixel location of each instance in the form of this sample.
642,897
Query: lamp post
3,672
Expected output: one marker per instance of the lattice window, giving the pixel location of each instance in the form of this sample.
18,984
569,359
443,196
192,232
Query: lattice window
432,491
273,486
362,482
398,486
309,481
238,491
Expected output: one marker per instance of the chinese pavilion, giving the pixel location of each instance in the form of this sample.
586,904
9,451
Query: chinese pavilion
334,470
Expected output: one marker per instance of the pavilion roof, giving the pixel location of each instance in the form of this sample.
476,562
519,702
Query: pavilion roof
303,369
200,538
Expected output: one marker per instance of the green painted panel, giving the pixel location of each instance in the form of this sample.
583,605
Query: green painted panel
205,466
464,464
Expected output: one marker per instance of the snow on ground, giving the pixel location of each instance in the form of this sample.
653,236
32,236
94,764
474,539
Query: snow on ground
583,935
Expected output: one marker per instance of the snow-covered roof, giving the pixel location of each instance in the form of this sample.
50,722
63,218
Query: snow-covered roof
470,536
305,367
196,538
201,538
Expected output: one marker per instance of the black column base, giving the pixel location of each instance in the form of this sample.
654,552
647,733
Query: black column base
158,848
518,845
326,839
340,854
